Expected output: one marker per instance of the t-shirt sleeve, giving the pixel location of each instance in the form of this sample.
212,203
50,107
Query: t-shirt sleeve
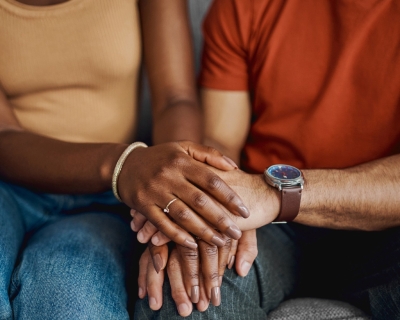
226,32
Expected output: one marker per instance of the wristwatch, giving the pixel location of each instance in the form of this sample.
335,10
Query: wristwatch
288,180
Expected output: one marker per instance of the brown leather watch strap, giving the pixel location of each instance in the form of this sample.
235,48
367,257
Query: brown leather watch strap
290,203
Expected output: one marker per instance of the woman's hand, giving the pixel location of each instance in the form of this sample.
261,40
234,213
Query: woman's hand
195,275
263,201
151,177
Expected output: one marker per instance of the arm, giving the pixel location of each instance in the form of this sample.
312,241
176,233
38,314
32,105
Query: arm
166,171
51,165
364,197
226,120
169,64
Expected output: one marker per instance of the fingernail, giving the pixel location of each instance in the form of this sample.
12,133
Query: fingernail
245,266
155,239
195,296
231,262
133,227
158,263
218,241
243,211
132,212
153,303
183,309
140,237
190,244
215,296
230,161
234,232
220,280
140,292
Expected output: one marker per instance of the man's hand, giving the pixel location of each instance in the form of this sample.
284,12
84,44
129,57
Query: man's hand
195,274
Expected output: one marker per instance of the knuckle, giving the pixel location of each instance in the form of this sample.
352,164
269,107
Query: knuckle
180,160
160,224
251,249
189,255
230,197
221,219
228,243
177,293
214,182
193,275
173,265
203,232
213,151
222,265
211,251
183,214
200,200
214,276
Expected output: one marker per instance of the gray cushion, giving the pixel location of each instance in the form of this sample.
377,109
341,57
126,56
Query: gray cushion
313,309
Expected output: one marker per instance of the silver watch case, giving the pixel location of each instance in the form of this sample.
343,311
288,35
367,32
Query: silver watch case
280,183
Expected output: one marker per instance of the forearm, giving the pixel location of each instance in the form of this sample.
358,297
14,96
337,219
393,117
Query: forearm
55,166
168,56
180,120
364,197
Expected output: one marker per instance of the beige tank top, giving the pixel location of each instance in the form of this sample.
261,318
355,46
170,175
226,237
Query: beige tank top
70,71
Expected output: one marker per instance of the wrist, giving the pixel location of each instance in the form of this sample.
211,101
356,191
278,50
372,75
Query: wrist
119,165
107,165
270,202
262,200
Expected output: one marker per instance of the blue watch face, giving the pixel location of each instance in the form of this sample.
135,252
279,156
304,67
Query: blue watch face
281,171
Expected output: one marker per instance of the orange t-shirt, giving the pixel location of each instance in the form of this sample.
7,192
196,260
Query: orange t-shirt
324,77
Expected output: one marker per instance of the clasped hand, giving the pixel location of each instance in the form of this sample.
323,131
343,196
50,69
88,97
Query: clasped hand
205,205
195,273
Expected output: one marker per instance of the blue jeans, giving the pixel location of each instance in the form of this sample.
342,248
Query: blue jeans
62,256
362,268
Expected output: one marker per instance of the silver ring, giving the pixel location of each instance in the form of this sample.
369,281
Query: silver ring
166,210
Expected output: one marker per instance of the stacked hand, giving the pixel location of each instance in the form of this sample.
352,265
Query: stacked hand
195,275
207,208
205,205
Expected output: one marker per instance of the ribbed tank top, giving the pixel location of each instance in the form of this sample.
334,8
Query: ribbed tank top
70,70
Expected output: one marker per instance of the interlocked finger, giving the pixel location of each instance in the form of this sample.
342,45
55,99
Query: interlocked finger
232,253
190,260
223,254
204,301
159,239
178,291
159,255
138,220
209,271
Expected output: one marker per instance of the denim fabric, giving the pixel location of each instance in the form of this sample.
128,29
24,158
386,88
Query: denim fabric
362,268
62,256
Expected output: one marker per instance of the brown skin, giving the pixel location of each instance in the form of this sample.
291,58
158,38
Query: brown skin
363,197
55,166
175,106
176,116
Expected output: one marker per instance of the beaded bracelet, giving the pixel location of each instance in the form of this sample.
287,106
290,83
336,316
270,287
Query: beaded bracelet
120,163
